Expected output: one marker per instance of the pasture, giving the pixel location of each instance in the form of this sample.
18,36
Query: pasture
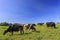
43,33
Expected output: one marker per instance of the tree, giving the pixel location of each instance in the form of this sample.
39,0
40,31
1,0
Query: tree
4,24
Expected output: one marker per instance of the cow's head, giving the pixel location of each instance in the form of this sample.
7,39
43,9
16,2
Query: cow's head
5,32
33,24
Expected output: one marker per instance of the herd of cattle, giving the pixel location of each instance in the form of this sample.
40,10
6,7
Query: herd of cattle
20,27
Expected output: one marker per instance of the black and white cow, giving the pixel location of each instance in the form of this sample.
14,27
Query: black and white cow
14,28
30,26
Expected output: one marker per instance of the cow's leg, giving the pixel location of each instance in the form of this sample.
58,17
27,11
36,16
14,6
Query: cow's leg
47,25
54,26
20,31
12,32
34,29
23,31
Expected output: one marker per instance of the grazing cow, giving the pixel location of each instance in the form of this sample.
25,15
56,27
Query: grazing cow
30,26
13,28
40,23
26,26
34,24
51,24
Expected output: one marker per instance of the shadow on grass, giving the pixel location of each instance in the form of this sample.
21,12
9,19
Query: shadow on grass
39,38
21,34
28,33
38,31
53,27
16,34
8,39
25,33
56,27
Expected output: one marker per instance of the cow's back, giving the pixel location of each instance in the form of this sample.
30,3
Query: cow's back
52,24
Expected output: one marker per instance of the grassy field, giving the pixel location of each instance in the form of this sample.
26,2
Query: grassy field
43,33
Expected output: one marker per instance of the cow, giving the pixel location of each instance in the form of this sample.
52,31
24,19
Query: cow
51,24
40,23
30,27
14,28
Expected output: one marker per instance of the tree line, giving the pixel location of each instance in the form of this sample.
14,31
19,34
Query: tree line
5,24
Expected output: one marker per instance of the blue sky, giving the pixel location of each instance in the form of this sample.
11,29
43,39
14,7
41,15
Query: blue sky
29,11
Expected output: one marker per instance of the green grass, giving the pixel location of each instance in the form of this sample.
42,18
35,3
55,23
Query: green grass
43,33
